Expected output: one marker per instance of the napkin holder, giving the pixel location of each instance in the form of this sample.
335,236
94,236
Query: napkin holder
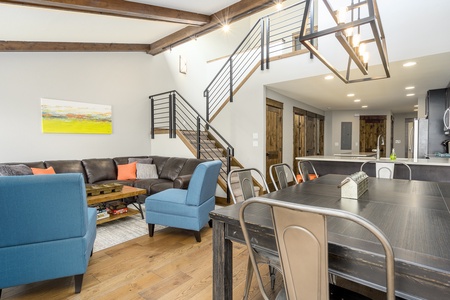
354,185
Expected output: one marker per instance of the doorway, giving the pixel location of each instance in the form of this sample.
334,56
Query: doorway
308,131
274,133
370,127
409,137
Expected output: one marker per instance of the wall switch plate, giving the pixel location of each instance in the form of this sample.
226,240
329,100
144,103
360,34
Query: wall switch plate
255,143
398,141
255,135
336,144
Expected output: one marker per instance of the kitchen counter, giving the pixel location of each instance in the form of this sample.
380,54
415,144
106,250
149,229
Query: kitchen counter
432,169
434,161
359,154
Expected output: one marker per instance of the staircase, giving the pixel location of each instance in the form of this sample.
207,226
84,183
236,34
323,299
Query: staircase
272,37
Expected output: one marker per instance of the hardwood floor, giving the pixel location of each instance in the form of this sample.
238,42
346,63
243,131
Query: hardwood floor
170,265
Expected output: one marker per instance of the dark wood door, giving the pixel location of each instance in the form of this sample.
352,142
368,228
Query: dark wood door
310,135
299,136
274,134
370,128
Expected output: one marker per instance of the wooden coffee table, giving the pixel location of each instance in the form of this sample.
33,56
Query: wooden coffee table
127,191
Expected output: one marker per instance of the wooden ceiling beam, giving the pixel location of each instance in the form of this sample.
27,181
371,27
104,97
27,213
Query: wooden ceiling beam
120,8
235,12
70,47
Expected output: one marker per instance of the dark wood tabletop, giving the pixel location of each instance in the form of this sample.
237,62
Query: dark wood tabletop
414,215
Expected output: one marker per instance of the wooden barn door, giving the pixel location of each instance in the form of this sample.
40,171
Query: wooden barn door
369,129
274,134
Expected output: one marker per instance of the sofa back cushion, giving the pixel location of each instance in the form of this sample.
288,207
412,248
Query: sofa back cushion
159,161
190,165
67,166
172,168
99,169
123,160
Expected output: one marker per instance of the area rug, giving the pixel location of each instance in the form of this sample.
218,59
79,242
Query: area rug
121,230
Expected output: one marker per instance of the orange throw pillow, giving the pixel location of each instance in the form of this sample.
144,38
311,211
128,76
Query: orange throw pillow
125,172
37,171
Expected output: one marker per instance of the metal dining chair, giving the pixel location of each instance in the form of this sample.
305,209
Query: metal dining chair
302,243
386,169
241,187
277,174
305,168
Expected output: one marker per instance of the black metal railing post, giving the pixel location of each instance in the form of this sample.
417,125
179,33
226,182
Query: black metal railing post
198,137
170,114
152,119
228,168
231,80
262,45
174,115
267,43
206,95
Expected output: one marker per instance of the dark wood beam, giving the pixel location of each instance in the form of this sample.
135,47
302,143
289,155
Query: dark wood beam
70,47
235,12
120,8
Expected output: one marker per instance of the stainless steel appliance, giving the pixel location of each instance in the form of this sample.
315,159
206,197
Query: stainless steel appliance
420,138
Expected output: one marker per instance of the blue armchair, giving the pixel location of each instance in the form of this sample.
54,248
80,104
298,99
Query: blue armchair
187,209
46,229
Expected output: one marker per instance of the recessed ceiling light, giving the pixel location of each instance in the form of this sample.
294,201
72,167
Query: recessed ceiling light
226,27
329,77
357,100
410,95
409,64
279,5
416,105
409,88
364,106
350,95
416,109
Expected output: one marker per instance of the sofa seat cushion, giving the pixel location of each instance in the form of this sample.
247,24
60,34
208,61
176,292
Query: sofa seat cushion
124,182
100,169
149,184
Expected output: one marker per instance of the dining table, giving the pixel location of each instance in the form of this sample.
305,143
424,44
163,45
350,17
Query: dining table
414,215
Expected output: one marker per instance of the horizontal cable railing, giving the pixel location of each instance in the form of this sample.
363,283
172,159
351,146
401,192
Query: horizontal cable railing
171,113
273,35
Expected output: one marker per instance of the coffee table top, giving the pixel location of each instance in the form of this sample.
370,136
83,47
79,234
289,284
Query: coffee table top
127,191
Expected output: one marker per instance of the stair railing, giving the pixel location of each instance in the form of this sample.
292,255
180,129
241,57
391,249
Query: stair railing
170,112
273,35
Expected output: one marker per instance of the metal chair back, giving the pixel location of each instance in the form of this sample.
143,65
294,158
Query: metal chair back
246,185
279,170
386,169
305,167
301,237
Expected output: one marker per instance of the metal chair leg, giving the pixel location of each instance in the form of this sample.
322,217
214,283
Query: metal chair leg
272,277
248,279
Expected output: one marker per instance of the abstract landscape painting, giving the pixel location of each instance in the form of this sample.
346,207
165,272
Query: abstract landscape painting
60,116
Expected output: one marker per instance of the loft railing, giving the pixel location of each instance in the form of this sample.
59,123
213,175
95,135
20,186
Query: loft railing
274,35
171,113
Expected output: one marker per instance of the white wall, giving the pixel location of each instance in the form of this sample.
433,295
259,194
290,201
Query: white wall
122,80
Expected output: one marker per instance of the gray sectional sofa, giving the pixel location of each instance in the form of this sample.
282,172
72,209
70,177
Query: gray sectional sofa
173,172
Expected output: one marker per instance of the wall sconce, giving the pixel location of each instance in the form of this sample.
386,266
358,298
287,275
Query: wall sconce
350,23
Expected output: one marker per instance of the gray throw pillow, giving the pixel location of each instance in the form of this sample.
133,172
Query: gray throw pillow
12,170
146,171
140,160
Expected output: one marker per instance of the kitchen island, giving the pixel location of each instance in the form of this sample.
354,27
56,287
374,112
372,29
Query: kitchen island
432,169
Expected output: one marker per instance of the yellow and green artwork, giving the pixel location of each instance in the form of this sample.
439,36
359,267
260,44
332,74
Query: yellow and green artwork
60,116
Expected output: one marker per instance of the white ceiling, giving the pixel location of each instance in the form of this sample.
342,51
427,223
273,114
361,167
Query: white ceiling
23,23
